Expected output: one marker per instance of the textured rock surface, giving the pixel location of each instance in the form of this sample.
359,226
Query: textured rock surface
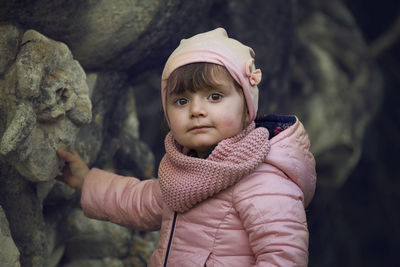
106,262
9,254
43,102
24,213
90,238
336,89
111,141
109,34
10,38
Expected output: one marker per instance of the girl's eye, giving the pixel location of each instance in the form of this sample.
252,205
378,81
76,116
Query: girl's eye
215,97
181,101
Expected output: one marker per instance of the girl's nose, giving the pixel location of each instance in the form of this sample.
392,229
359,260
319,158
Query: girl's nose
197,108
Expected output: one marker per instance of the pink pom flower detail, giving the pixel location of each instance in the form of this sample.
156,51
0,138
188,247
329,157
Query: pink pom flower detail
254,75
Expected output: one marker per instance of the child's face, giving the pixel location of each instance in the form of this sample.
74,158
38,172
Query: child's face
201,119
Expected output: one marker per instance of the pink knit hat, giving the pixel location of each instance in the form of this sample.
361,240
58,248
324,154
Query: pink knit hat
216,47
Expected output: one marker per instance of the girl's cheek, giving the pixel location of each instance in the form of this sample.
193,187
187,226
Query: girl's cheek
232,122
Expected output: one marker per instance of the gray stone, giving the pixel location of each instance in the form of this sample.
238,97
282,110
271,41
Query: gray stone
9,254
119,149
19,129
336,89
110,34
143,244
44,101
153,126
25,216
10,38
55,257
105,88
122,150
90,238
106,262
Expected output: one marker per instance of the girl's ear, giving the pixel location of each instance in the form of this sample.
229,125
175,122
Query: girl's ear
246,118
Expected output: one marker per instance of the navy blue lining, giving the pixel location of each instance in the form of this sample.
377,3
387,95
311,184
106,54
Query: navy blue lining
170,238
275,123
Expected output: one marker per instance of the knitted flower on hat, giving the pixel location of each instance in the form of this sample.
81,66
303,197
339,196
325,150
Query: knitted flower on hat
186,181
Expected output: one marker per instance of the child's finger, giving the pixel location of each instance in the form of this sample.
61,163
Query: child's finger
65,155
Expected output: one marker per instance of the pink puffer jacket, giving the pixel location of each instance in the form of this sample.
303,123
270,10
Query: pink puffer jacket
259,221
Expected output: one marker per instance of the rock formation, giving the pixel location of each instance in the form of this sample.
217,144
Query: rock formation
45,100
333,84
9,255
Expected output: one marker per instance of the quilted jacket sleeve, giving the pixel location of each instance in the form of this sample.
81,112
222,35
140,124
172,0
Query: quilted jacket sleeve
272,212
123,200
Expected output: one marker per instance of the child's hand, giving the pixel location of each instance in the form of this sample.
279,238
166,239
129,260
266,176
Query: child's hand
75,169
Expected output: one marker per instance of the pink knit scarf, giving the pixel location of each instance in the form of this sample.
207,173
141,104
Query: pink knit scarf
186,181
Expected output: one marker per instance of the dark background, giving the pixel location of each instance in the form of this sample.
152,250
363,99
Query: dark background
358,224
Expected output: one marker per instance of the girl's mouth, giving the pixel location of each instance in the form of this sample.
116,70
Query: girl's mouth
195,128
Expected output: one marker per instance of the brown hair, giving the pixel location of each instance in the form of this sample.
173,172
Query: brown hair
196,76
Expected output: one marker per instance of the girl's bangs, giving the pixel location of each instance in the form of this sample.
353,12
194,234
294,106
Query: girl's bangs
193,77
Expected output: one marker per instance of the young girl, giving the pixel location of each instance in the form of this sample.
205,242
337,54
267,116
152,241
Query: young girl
229,192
